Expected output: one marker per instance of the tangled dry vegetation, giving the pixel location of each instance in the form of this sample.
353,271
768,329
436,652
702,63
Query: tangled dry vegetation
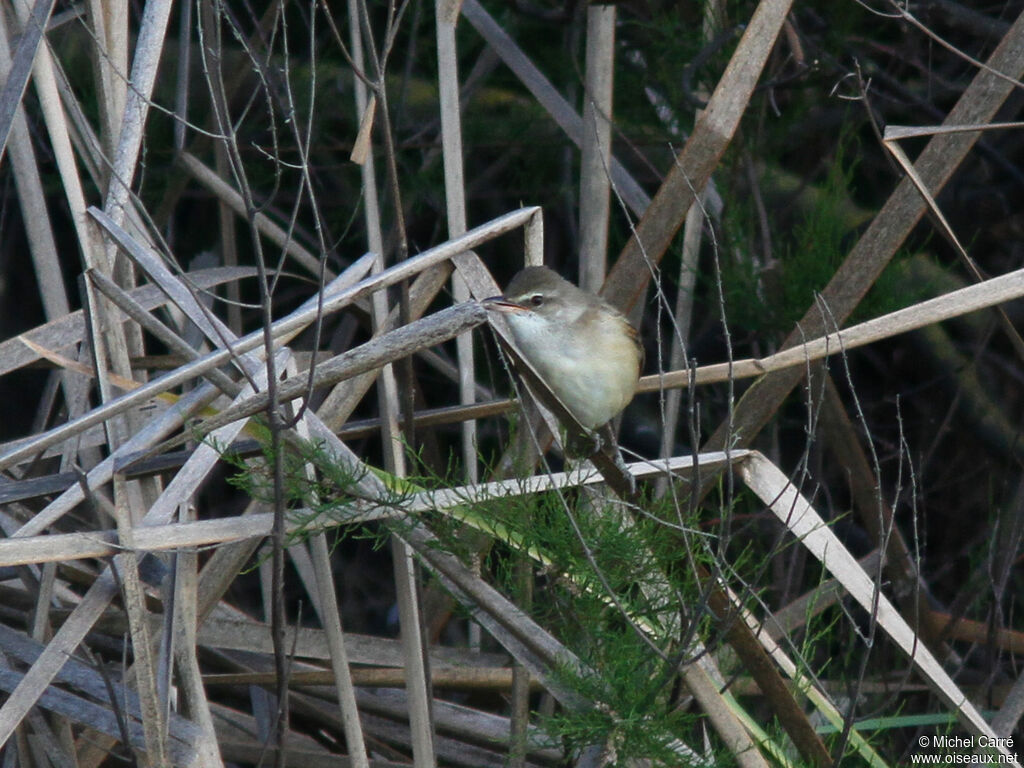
272,494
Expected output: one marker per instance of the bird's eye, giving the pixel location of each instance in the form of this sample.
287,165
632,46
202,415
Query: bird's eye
537,299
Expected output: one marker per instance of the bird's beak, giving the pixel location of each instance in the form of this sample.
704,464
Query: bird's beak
502,304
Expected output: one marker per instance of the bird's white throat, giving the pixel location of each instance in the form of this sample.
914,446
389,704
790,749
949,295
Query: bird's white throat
593,373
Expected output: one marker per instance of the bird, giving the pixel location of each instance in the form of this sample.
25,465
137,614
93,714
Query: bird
584,349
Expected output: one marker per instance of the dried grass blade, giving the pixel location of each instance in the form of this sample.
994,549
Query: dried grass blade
325,602
528,642
175,289
109,21
73,365
152,432
34,684
338,406
148,48
447,13
458,502
339,656
49,101
186,648
549,98
148,322
32,200
721,710
962,301
404,567
887,231
24,449
796,513
414,653
699,157
908,167
374,354
24,56
100,718
144,667
806,685
69,328
596,146
103,590
287,326
897,132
